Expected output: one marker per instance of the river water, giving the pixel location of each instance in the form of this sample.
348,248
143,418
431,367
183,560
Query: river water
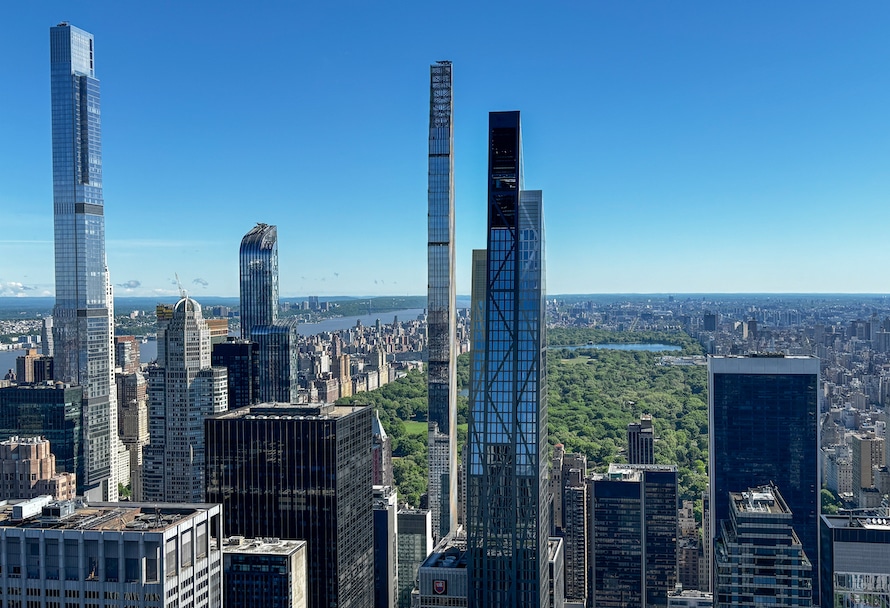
148,351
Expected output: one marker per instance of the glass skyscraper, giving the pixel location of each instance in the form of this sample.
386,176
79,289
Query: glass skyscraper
633,535
441,326
82,317
258,260
278,361
508,519
763,421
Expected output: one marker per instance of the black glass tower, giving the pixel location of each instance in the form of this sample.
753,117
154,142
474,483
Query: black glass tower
258,260
633,552
764,429
51,411
507,482
301,473
241,358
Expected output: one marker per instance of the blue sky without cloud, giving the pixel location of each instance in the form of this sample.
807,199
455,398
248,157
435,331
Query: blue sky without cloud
681,146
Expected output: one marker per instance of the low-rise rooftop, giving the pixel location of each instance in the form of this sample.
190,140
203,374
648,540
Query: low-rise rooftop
288,411
44,514
239,544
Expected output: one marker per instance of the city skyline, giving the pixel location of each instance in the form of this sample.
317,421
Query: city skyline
657,131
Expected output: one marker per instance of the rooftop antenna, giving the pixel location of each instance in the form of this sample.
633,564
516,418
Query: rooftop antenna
182,292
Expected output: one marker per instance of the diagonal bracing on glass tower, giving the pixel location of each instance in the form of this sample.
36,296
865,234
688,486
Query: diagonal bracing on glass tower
442,488
507,483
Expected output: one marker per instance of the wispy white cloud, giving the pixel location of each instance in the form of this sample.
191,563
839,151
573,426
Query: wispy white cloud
14,289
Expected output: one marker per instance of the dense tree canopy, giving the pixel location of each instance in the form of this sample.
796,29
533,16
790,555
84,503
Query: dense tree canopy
593,396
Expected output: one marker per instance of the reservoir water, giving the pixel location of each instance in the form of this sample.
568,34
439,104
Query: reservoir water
631,347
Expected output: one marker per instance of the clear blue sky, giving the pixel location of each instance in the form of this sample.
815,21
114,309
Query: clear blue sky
681,146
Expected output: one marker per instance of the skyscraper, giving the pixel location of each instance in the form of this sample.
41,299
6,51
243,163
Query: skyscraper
258,260
241,358
82,315
442,488
633,535
183,389
415,542
386,553
508,521
110,554
641,441
763,424
758,557
301,472
278,361
381,453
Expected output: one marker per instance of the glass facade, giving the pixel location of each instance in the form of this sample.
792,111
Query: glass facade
758,558
258,260
507,478
82,317
48,411
763,429
278,361
302,473
241,360
633,521
856,559
270,575
441,325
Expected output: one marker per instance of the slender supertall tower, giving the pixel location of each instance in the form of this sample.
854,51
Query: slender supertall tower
442,489
508,520
259,278
82,317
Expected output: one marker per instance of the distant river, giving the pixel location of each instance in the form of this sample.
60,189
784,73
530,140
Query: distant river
648,347
7,360
148,351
